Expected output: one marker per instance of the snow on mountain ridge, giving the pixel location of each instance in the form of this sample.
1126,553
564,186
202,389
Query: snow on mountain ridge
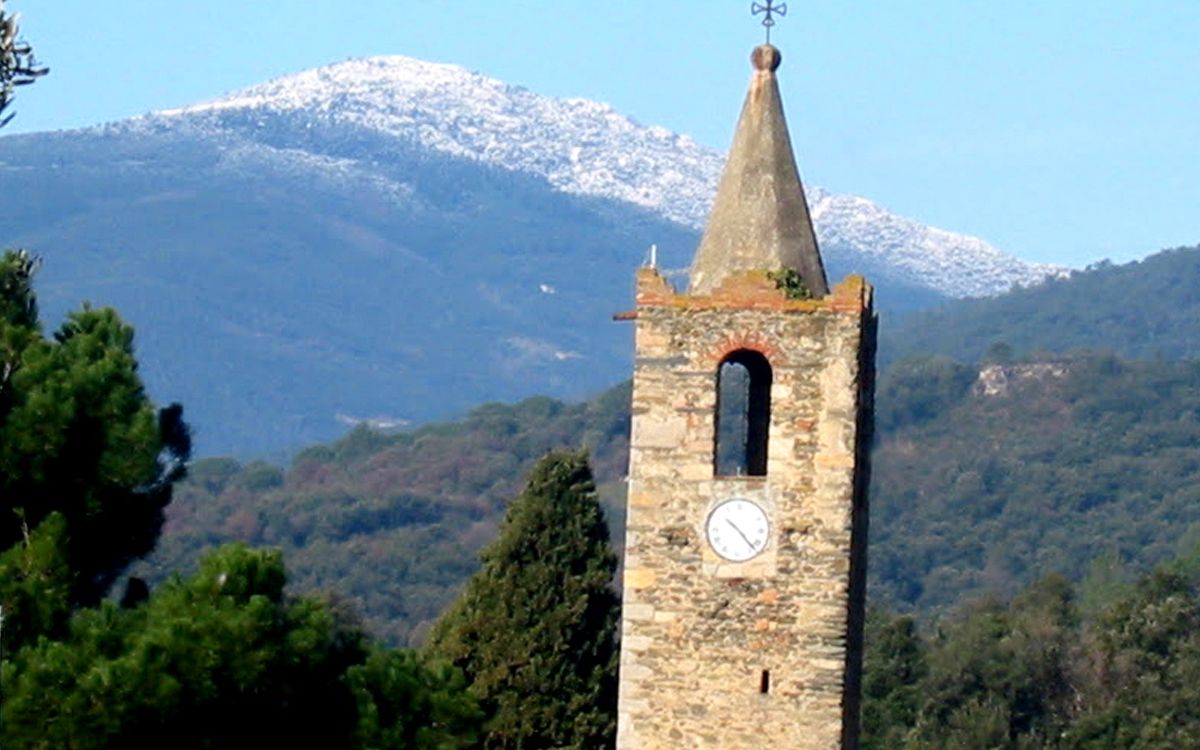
919,253
587,148
580,146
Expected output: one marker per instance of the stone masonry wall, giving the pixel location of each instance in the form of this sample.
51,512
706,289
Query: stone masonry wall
698,632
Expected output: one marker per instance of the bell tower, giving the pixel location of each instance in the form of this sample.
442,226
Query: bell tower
745,555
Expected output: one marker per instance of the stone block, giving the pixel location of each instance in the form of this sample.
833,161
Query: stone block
640,578
637,612
659,430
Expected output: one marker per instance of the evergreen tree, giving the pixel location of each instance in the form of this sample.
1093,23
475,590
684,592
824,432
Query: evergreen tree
17,64
35,584
403,705
81,448
221,660
894,667
226,660
535,629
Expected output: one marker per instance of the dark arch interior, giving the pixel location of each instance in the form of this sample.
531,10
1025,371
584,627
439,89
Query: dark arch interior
743,415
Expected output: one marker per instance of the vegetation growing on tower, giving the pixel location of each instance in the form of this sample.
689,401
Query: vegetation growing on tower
789,281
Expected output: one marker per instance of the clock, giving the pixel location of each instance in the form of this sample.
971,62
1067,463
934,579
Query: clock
738,530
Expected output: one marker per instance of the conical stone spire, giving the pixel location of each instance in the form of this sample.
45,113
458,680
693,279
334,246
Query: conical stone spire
760,219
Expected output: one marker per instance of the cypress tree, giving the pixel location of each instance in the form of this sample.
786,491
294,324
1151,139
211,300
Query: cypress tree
535,629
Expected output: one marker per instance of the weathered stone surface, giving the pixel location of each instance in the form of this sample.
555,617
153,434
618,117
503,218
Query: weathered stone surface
698,631
760,218
640,578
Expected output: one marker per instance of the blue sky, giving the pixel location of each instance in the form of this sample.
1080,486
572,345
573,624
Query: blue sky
1065,131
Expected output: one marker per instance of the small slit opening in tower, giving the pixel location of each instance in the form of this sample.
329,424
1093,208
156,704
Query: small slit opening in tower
764,684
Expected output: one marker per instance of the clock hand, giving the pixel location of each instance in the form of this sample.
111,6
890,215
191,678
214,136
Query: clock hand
745,538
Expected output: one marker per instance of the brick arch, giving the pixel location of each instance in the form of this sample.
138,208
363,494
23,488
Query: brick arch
749,340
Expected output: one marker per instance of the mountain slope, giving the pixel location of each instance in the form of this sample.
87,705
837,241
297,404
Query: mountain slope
988,478
394,241
279,305
586,148
1145,309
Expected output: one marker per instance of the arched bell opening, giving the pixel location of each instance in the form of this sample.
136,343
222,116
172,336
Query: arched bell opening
743,417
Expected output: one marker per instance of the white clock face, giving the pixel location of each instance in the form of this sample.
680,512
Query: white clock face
738,530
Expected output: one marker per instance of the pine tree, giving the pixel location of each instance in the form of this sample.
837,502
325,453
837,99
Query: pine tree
226,660
534,632
82,448
17,64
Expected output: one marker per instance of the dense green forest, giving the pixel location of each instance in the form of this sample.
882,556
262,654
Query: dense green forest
987,481
981,484
1144,310
1109,664
227,659
975,489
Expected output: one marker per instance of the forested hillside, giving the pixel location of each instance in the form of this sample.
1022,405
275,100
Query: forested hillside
983,482
986,480
1148,309
1084,667
393,522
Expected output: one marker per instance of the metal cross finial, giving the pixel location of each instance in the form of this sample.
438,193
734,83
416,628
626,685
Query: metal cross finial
768,10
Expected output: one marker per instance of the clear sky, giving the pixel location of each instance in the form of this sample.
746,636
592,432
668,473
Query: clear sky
1058,130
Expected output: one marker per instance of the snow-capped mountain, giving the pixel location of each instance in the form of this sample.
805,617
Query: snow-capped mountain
399,239
586,148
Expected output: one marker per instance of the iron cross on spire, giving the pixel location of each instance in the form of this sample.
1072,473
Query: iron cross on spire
768,10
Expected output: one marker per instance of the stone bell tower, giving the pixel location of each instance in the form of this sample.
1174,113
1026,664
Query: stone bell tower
745,554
